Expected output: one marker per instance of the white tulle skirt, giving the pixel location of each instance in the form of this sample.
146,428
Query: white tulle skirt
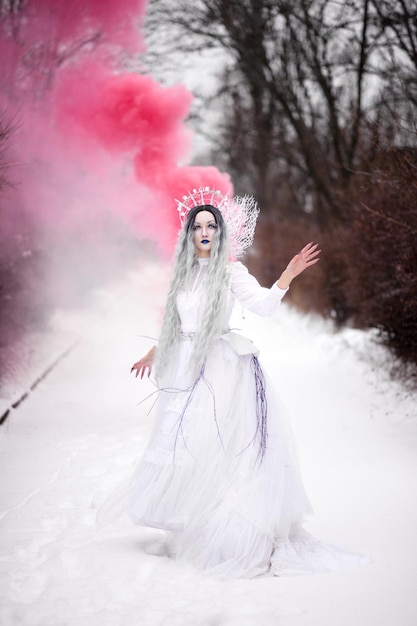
223,482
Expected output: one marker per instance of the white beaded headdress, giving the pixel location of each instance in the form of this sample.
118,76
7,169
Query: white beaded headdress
240,214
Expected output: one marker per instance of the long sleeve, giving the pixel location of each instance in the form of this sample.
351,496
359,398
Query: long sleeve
251,295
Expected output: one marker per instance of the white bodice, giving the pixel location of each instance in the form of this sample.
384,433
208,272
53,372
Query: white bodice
243,287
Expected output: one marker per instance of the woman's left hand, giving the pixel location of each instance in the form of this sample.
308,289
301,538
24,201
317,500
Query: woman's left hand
308,256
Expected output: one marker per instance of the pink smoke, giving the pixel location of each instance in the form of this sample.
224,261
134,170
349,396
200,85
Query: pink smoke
133,117
94,139
97,156
38,37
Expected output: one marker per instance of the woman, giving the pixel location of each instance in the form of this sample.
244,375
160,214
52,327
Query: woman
220,471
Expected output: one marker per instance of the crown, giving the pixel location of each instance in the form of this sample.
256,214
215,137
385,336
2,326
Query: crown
202,195
240,214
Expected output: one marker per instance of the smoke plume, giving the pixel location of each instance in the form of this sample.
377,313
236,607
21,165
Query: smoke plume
96,154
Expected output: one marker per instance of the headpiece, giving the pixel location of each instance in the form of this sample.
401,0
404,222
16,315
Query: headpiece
240,214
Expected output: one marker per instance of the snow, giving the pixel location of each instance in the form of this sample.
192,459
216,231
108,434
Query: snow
82,429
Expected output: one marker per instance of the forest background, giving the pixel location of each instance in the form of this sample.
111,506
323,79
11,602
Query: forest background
310,105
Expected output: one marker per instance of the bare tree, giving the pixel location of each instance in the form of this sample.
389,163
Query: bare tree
6,130
298,88
319,109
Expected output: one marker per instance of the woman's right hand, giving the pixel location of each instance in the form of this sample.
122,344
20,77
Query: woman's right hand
145,363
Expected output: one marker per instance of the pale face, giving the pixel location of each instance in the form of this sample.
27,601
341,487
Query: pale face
204,231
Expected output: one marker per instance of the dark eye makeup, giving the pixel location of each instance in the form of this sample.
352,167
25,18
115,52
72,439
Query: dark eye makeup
212,225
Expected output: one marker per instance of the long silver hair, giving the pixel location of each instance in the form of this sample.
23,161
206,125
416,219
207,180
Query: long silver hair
216,287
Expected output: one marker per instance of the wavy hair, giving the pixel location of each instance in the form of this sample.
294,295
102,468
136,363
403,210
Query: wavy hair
216,287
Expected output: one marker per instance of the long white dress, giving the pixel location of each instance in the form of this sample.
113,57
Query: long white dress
220,472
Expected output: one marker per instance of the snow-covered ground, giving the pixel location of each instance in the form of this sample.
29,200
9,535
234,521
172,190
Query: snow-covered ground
82,430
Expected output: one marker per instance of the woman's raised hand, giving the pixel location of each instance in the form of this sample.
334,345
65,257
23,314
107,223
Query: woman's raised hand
308,256
144,364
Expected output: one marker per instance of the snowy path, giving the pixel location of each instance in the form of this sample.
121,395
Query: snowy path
81,432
